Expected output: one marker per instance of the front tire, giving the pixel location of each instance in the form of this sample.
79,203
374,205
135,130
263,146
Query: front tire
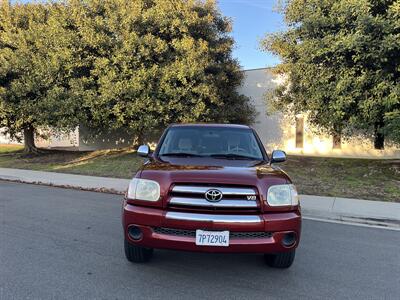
281,260
137,254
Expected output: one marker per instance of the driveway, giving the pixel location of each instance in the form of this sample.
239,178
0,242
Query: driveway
60,243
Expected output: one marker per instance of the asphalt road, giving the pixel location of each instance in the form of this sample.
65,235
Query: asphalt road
60,243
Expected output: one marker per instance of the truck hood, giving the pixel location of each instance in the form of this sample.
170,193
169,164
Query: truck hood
211,170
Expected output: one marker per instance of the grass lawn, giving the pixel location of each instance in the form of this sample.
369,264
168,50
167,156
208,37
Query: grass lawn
340,177
108,163
346,177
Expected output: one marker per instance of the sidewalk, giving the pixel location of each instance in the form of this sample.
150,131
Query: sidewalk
384,214
378,213
89,183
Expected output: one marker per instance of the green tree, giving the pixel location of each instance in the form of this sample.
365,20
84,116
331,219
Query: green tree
149,63
342,61
36,65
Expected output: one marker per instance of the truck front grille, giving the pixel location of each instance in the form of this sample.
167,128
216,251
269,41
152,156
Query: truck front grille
232,234
196,196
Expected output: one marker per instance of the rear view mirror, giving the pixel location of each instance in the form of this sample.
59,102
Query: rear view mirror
143,150
278,156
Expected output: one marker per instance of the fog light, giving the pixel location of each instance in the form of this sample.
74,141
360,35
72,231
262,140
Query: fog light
289,239
135,233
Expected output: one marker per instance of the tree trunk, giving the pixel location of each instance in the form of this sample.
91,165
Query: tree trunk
29,140
379,137
139,139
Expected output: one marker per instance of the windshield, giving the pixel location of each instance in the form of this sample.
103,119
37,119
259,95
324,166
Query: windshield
218,142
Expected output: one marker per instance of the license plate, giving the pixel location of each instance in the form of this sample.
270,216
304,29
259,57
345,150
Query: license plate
212,238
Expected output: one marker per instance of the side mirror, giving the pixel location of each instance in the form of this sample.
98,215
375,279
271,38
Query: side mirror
278,156
143,150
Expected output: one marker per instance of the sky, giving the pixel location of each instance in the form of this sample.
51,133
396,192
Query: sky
252,19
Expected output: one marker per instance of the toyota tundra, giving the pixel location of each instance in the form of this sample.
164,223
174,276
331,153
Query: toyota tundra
211,188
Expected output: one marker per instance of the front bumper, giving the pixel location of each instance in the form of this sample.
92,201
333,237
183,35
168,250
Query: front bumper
147,219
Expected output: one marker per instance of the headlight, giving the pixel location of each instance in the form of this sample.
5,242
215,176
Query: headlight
143,189
282,195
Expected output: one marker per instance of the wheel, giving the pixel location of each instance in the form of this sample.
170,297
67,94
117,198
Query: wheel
136,253
280,260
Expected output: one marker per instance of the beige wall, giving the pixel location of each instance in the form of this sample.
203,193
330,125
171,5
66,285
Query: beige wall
256,83
278,132
81,139
54,139
110,140
322,145
5,138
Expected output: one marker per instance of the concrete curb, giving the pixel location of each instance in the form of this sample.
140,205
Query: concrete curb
81,182
342,210
97,190
361,223
346,210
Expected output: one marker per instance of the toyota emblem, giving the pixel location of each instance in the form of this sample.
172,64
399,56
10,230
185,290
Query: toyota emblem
213,195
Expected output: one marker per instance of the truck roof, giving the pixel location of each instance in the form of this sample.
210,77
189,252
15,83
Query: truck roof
210,125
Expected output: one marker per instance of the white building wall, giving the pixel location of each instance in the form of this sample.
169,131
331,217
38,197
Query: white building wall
5,138
58,140
107,140
256,84
279,132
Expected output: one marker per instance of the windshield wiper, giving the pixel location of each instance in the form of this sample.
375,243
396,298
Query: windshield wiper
181,154
234,156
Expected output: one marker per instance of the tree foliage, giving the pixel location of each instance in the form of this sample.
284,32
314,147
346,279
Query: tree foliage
36,63
148,63
117,64
342,61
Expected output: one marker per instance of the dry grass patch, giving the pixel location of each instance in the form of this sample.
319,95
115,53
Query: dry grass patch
372,179
108,163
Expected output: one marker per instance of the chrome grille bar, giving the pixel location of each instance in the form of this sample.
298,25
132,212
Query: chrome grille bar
229,191
231,203
172,215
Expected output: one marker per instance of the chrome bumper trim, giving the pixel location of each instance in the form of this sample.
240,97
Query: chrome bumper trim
231,203
213,218
203,189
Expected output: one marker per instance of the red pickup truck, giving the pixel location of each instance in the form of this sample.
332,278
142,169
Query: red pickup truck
211,188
